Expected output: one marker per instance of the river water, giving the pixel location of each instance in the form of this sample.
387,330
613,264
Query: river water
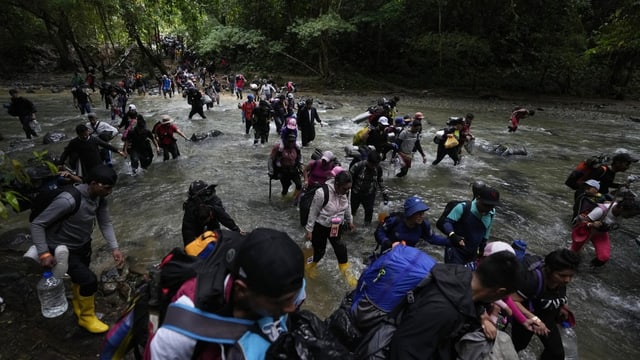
536,205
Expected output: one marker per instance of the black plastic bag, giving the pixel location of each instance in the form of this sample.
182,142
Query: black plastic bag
308,339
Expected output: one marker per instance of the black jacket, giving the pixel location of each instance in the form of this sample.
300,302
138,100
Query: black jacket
86,151
442,312
194,223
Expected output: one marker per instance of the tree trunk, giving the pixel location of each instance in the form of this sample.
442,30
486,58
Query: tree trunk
58,42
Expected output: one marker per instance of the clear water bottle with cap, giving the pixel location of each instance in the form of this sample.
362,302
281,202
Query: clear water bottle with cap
51,294
569,341
383,212
307,250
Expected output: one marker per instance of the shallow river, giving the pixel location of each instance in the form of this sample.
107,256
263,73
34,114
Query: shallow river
536,205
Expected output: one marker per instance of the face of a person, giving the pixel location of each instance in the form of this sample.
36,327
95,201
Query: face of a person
415,129
263,305
482,207
560,278
343,189
97,189
591,190
417,218
621,166
84,135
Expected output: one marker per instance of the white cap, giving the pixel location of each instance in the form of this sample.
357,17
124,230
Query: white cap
383,120
593,183
132,107
497,246
327,156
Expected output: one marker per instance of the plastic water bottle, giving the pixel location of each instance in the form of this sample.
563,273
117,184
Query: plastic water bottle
51,295
383,212
569,341
307,250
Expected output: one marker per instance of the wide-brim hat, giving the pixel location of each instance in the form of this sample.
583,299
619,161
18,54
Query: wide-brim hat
580,233
166,119
414,205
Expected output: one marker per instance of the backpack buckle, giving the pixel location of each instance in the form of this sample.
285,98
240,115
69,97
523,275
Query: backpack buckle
410,298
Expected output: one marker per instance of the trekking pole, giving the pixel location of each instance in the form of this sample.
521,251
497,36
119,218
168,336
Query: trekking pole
270,179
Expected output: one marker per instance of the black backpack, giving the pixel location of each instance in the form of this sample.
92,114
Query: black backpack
307,198
466,208
158,289
45,198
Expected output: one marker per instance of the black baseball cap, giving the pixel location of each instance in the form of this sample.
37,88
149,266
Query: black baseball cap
624,157
490,196
270,263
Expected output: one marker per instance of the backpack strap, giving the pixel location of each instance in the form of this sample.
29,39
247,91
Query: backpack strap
205,326
325,191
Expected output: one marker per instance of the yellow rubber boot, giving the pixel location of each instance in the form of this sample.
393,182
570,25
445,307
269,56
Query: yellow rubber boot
310,270
344,269
75,300
87,318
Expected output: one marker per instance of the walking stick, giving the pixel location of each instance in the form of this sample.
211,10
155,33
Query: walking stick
270,179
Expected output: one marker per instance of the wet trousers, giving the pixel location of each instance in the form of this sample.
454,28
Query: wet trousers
319,238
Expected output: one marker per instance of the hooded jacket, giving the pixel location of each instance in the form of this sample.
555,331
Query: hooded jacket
442,312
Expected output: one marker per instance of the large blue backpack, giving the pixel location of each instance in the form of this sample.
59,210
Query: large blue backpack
389,280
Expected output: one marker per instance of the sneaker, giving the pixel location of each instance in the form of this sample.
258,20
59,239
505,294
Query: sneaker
32,254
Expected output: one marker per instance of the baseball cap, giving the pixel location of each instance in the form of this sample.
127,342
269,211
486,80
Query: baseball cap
593,183
270,263
413,205
198,187
624,157
497,246
418,116
327,156
337,170
132,107
490,196
383,120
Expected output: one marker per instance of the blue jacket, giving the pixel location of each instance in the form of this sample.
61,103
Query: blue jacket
475,228
394,229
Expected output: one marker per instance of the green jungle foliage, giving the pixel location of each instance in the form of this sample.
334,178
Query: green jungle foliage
576,47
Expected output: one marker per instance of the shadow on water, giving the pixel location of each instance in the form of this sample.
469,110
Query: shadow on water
147,208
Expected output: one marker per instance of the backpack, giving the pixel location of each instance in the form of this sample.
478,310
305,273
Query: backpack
45,198
307,198
466,208
534,262
374,344
151,307
397,214
198,202
383,285
130,332
583,170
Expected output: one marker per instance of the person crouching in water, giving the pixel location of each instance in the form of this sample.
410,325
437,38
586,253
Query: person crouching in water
596,225
324,223
518,114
